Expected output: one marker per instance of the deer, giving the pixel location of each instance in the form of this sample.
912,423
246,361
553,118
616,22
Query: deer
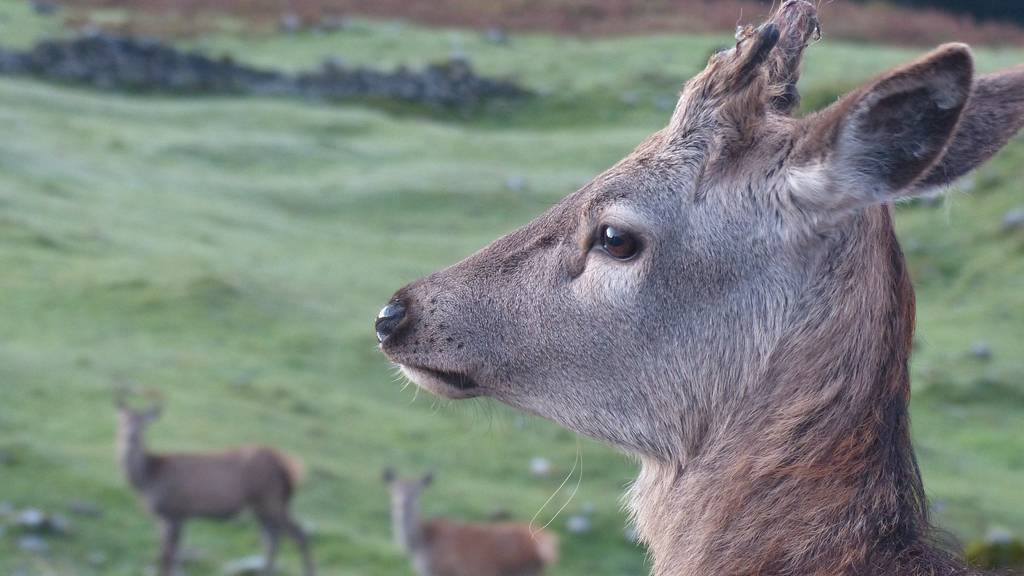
176,487
730,305
442,547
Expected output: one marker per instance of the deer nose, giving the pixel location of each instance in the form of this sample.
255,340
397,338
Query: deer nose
388,320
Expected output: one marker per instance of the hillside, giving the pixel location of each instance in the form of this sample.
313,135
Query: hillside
234,252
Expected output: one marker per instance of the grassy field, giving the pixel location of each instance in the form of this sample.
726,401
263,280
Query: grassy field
233,253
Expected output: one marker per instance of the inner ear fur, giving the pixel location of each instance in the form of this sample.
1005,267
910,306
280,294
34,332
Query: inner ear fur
879,140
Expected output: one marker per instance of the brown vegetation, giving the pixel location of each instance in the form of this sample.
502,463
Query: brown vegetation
874,22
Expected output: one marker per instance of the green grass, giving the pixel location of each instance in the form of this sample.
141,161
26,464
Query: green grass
233,253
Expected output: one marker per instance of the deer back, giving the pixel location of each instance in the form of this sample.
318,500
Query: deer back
501,549
217,485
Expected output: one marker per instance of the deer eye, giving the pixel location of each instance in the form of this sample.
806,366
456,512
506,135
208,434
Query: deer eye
618,243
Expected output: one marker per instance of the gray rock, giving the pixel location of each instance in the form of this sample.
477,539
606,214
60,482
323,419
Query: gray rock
45,7
59,525
516,183
333,64
85,509
496,35
578,524
96,559
915,246
245,379
290,23
191,555
1014,219
665,103
247,566
998,535
90,29
540,467
33,544
333,24
933,198
36,521
31,519
967,183
499,515
394,28
310,527
981,351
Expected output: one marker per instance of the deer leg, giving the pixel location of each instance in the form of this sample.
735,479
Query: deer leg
170,537
271,537
299,535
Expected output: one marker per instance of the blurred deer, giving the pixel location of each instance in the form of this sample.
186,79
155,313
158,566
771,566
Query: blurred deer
177,487
730,304
442,547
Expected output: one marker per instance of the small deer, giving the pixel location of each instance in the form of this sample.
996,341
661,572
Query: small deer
178,487
730,304
441,547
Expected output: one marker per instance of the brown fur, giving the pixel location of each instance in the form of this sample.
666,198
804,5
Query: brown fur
753,352
824,461
502,549
443,547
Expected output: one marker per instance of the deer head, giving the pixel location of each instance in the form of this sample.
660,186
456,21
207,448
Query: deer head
133,421
650,308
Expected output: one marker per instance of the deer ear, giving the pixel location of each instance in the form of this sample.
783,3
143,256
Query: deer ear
876,143
994,113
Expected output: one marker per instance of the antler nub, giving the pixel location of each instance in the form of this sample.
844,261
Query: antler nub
799,25
765,38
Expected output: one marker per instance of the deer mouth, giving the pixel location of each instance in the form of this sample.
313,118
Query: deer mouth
444,383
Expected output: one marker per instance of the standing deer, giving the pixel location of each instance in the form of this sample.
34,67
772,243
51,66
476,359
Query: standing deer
178,487
441,547
730,304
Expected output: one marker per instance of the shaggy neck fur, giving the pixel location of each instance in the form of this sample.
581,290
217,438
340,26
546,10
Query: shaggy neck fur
816,474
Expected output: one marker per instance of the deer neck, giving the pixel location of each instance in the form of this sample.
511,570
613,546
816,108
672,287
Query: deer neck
814,474
407,524
134,458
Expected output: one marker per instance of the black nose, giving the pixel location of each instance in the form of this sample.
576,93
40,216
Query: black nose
388,320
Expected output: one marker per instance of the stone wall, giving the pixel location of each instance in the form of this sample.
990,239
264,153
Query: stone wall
120,63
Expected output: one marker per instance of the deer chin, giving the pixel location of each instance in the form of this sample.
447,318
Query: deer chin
447,384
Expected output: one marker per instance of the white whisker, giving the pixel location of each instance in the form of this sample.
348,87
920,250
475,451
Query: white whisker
578,462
